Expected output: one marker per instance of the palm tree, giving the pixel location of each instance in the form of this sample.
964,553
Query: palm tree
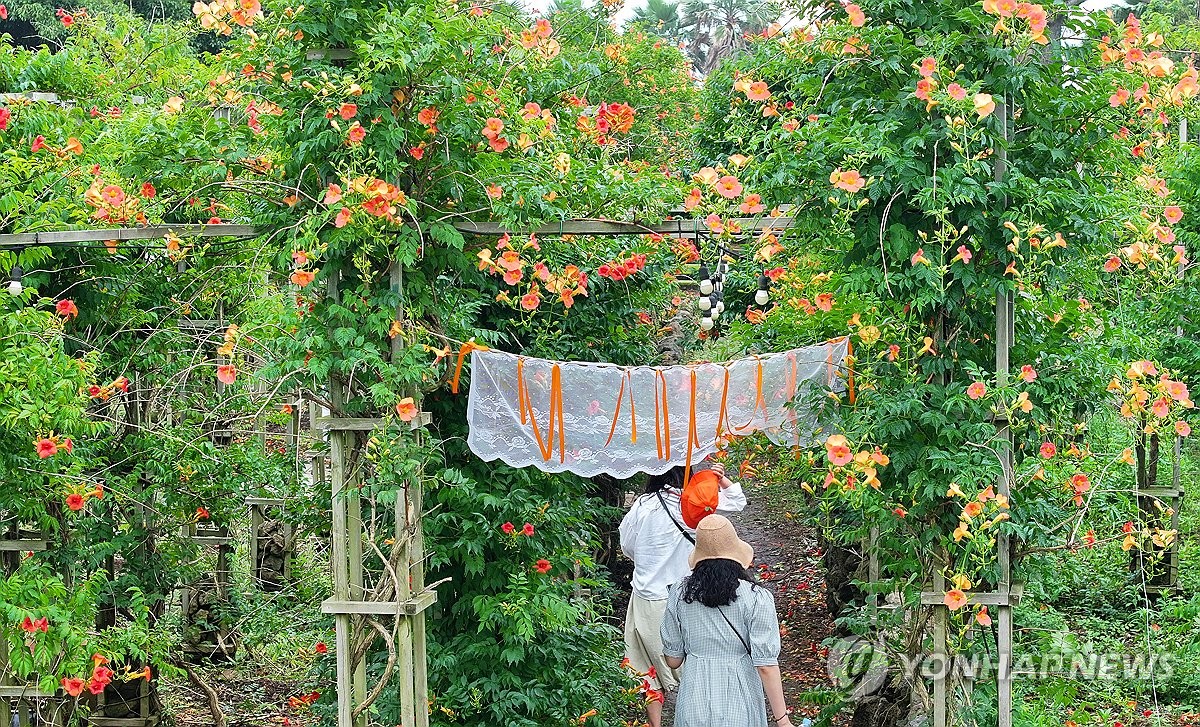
662,17
1180,11
718,28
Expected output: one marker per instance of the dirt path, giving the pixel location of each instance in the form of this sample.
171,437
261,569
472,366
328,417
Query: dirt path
788,562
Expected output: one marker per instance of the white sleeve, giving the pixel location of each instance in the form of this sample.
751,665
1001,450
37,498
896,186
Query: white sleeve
731,499
630,525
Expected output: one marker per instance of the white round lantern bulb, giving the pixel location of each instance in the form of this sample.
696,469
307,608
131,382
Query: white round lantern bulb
762,297
720,307
15,288
706,323
706,286
705,303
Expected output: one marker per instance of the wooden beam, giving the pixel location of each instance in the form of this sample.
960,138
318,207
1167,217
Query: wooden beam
989,598
22,545
126,233
332,424
25,692
410,607
330,54
1163,493
687,228
210,539
265,502
364,424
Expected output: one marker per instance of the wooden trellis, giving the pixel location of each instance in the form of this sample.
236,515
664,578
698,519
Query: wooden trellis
1007,594
408,596
73,237
688,229
1160,574
1158,570
25,705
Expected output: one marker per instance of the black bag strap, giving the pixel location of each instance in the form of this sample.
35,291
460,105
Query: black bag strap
686,534
735,631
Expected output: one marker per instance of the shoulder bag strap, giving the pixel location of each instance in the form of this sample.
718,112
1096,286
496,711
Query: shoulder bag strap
735,631
683,530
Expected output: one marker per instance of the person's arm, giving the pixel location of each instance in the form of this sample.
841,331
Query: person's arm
764,638
629,530
730,497
671,630
773,687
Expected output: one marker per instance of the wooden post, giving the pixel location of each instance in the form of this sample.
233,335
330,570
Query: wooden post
1004,621
341,577
1005,330
941,652
873,571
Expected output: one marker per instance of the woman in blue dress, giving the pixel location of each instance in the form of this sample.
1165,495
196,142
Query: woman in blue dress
724,632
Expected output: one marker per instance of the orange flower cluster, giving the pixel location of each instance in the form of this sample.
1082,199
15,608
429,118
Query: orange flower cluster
77,499
213,15
978,509
51,444
380,199
112,205
566,285
651,694
1132,52
104,393
101,677
608,120
304,700
1033,15
621,269
1154,398
537,39
1160,537
848,469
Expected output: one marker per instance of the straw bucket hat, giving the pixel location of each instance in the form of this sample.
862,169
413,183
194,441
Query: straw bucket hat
716,538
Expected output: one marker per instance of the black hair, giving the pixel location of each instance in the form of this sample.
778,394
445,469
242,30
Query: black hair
715,582
671,478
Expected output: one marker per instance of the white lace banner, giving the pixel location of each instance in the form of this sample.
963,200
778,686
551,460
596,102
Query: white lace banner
593,418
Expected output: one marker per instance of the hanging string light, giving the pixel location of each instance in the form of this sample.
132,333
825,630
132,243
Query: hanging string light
763,295
706,283
16,284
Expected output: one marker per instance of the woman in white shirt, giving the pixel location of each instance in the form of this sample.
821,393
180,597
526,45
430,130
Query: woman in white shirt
655,538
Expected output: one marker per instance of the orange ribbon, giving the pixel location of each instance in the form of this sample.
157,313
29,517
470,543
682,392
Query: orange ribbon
793,382
692,437
556,406
632,409
521,394
626,380
723,414
850,364
546,446
617,414
467,348
662,417
758,399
